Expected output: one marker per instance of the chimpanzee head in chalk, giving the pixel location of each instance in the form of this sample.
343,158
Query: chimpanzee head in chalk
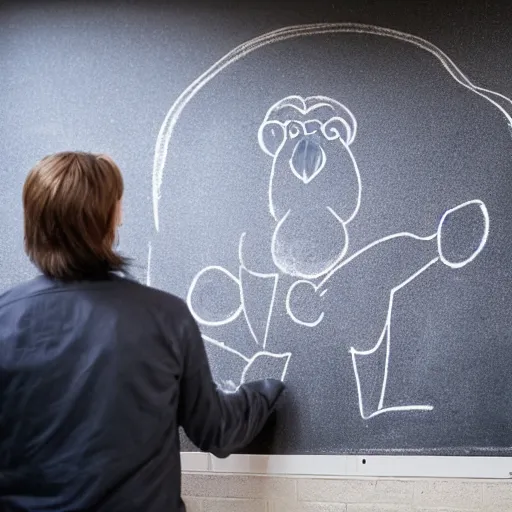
296,129
315,188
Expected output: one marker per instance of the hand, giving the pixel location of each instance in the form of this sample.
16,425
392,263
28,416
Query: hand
462,233
271,389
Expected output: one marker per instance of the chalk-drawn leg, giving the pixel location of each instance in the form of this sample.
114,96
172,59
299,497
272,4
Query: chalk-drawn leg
216,297
461,236
264,365
462,233
258,292
357,299
228,365
376,360
258,300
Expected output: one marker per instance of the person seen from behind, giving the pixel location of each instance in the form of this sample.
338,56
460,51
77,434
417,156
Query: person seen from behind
97,371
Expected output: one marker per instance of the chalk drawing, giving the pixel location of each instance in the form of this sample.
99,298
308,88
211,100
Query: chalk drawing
322,286
368,353
305,120
296,132
460,264
311,116
191,303
271,278
294,32
249,362
148,267
258,355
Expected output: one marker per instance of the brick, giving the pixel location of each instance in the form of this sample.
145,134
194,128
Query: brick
238,486
376,507
192,504
393,491
498,496
278,506
448,494
342,491
448,510
234,505
356,491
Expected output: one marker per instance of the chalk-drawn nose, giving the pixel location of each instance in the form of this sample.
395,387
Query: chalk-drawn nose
307,160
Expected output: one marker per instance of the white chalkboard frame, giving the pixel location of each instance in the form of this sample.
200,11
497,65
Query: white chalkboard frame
351,465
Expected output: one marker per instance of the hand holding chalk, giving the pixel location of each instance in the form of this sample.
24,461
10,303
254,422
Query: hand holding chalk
271,389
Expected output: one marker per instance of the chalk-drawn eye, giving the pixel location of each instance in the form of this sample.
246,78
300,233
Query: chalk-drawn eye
336,128
293,131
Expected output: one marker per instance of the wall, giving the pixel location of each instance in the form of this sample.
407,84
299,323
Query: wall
209,492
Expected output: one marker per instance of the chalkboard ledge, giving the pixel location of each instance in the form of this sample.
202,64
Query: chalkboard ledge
410,466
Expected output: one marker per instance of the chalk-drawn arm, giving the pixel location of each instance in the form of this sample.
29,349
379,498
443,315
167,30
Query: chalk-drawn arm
214,296
215,421
217,298
461,235
380,266
388,264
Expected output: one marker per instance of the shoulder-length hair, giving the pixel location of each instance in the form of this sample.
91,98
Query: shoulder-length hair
70,203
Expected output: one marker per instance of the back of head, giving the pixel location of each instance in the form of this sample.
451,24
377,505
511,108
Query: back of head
71,203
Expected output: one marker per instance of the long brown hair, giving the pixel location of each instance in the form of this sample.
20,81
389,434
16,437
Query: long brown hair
70,203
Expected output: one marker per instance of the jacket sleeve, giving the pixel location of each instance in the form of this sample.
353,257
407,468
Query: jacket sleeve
217,422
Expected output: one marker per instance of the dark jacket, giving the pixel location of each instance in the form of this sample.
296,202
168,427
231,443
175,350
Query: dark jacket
95,378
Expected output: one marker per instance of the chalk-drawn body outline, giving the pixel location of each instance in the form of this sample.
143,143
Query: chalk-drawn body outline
167,128
330,270
296,107
320,122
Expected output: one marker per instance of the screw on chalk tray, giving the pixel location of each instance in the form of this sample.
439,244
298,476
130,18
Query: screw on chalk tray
364,461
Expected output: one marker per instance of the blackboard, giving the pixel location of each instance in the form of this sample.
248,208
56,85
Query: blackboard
328,185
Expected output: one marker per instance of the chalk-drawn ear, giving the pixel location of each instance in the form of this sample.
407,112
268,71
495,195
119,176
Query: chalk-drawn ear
337,128
271,136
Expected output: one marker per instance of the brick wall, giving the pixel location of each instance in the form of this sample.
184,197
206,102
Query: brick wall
240,493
